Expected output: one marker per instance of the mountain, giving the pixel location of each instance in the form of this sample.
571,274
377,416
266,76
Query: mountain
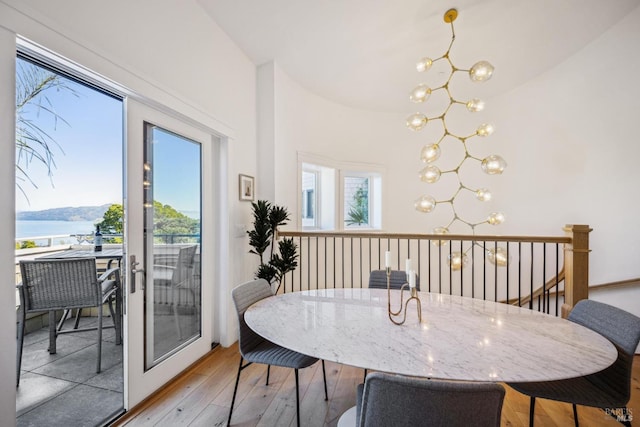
81,213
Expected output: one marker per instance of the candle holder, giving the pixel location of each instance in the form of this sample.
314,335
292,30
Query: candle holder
403,305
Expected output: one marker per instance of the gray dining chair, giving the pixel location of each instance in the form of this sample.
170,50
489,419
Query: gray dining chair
607,389
65,284
256,349
394,400
397,278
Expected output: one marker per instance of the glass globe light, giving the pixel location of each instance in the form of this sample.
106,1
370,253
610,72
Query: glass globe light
420,93
425,204
485,129
481,71
475,105
496,218
430,174
416,121
498,256
424,64
493,165
440,231
483,194
457,260
430,153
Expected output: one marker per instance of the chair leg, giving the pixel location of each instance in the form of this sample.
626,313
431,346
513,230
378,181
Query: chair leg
176,318
98,367
115,318
532,407
235,390
63,319
364,378
297,399
268,372
119,315
324,377
77,322
52,332
22,319
575,415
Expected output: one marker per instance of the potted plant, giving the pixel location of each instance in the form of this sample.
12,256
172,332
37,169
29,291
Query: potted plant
266,220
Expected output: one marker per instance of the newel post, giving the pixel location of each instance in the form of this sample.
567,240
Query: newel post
576,266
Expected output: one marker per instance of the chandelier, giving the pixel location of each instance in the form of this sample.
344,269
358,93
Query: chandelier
492,165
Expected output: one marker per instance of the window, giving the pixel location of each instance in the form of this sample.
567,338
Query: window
351,202
309,185
356,201
361,195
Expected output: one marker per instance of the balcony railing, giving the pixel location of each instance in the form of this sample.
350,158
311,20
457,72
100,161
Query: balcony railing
539,272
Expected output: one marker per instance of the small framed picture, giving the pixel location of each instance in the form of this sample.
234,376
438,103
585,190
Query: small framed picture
247,187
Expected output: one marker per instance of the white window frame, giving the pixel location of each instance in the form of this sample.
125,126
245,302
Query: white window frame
329,197
374,199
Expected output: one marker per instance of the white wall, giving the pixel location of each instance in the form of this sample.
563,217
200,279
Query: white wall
569,137
169,52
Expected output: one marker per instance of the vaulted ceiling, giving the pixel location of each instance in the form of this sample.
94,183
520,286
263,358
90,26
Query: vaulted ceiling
362,53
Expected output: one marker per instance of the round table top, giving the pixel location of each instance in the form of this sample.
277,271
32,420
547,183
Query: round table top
459,338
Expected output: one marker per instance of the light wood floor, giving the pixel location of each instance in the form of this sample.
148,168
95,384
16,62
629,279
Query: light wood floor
202,395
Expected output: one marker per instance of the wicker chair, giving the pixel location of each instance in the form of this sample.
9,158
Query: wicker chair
394,400
64,284
175,279
254,348
607,389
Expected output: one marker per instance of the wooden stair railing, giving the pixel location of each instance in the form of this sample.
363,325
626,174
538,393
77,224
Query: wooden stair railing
341,259
551,283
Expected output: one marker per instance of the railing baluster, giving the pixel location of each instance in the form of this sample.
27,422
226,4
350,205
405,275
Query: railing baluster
545,295
531,287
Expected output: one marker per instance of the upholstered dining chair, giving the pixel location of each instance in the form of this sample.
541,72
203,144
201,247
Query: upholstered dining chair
65,284
378,279
394,400
256,349
607,389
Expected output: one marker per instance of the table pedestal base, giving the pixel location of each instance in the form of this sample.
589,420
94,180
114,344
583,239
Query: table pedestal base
348,419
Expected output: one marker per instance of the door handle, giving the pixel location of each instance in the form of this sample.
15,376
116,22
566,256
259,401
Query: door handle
134,270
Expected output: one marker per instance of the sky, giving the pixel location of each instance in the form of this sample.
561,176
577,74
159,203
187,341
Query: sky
89,160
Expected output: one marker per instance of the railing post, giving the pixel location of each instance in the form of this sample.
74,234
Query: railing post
576,266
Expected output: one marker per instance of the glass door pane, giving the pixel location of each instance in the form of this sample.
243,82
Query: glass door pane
172,230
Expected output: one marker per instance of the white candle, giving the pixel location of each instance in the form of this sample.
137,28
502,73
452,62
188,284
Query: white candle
412,279
387,259
407,265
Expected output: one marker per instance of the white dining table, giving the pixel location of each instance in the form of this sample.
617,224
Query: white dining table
459,338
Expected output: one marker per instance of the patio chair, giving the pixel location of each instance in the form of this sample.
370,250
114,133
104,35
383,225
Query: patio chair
608,389
254,348
177,279
62,284
395,400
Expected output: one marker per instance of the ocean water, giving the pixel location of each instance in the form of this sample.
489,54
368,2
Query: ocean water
53,228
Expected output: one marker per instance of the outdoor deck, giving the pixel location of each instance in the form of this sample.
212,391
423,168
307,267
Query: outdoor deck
63,388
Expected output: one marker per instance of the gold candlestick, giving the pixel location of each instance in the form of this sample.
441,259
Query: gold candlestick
414,296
